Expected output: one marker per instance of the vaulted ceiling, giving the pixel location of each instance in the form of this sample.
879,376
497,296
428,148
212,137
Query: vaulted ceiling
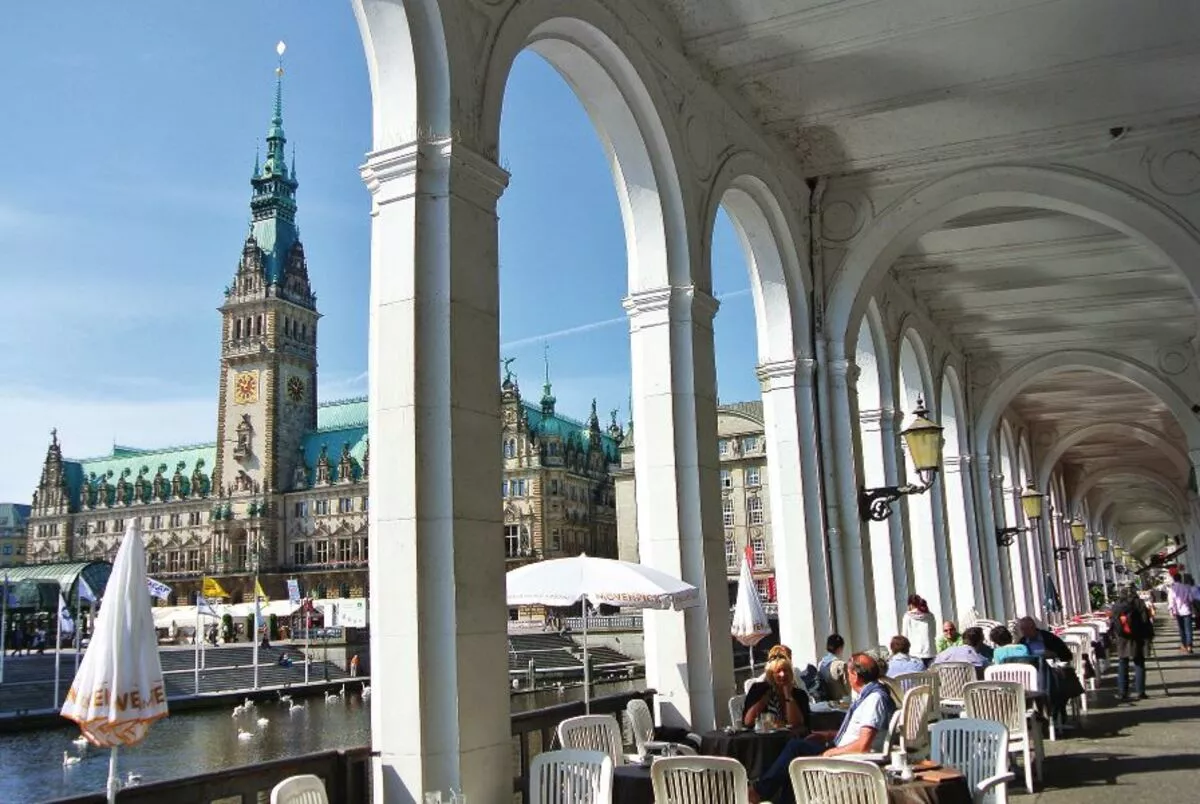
859,85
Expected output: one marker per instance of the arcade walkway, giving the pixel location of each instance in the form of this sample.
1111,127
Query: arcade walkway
1144,751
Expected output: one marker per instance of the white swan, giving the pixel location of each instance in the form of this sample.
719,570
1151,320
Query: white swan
237,710
295,706
283,698
245,735
262,721
69,760
330,697
80,741
366,692
132,778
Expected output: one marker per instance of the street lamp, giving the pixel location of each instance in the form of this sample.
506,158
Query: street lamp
1078,530
924,441
1031,506
1101,544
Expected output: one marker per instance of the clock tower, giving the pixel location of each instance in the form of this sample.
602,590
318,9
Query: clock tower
268,379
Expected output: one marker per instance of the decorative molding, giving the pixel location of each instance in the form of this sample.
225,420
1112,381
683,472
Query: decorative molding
1174,360
1175,173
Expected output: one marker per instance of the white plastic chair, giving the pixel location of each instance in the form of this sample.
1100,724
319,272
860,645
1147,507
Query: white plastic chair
1076,644
699,780
928,678
952,677
641,723
1004,702
979,750
593,733
915,715
303,789
1028,677
885,749
818,780
571,777
737,709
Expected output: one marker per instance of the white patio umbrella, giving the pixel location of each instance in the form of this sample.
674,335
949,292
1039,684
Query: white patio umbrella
600,582
118,692
750,623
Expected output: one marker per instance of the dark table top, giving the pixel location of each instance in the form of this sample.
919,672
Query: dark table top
755,751
631,784
921,791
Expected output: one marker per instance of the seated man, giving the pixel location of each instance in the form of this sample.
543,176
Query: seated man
1005,650
949,637
863,730
969,651
1041,642
900,662
833,653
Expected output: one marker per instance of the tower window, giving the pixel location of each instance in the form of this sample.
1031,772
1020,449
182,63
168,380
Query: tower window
258,325
237,330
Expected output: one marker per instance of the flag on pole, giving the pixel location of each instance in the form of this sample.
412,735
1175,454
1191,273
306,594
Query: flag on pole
158,589
259,593
293,590
9,597
85,591
66,623
213,588
206,607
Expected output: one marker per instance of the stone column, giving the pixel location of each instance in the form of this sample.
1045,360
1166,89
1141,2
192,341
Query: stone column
1017,555
994,608
856,551
941,547
440,712
800,578
899,547
689,658
1008,592
966,558
888,561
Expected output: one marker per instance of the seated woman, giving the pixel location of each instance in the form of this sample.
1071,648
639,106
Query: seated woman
1005,650
779,697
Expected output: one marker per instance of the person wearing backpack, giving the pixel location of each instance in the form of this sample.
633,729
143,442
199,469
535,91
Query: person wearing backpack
1131,624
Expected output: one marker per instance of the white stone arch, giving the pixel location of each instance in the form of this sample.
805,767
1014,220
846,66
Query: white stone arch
1116,468
1072,191
613,83
966,559
1156,498
1021,375
1139,432
924,513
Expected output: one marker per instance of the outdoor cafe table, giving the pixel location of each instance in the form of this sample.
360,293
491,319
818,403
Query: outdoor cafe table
632,785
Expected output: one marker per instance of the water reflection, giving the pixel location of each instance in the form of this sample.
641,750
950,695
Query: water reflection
181,745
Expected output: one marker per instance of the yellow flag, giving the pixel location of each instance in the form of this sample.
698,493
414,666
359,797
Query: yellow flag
212,588
259,593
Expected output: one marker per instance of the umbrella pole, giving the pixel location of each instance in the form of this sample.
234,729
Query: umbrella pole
57,663
587,665
196,642
3,625
78,629
751,661
113,782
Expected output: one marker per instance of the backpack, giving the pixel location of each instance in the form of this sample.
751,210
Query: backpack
810,681
1126,623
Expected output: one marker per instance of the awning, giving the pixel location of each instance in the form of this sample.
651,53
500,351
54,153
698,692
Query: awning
63,575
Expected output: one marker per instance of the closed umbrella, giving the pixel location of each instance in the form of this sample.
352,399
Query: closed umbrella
599,582
118,692
1052,602
750,623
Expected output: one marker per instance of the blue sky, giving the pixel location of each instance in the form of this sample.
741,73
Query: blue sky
129,137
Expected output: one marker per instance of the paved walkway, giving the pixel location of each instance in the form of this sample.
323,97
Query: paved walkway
1133,752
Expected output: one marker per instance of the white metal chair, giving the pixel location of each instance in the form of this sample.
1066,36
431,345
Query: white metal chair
303,789
817,780
1004,702
571,777
915,715
641,723
699,780
952,677
1028,677
593,733
977,748
737,709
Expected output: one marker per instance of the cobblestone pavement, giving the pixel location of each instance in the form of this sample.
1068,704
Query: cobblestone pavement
1131,752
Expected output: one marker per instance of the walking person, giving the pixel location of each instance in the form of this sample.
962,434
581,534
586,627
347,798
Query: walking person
1131,623
920,627
1180,595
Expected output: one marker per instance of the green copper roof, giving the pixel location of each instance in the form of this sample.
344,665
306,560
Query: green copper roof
567,429
128,462
273,203
342,413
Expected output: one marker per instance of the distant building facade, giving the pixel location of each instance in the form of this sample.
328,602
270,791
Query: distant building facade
744,489
284,488
13,519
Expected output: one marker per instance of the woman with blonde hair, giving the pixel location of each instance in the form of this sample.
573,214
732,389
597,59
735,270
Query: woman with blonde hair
778,697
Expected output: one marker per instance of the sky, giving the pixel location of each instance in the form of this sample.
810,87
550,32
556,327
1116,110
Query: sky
127,141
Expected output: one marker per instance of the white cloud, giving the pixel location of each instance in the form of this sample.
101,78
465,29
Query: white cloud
88,427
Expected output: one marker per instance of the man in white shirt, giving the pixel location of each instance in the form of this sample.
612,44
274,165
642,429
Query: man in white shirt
862,731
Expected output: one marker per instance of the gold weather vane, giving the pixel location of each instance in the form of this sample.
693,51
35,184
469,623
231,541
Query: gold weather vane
280,48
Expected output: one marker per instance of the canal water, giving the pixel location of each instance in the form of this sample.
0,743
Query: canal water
192,743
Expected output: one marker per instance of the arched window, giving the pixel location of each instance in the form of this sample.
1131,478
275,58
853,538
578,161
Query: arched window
510,448
237,330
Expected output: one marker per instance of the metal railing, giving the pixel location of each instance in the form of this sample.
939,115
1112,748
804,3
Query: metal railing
347,777
612,622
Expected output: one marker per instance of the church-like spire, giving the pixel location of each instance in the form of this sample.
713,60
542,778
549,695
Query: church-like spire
548,399
273,202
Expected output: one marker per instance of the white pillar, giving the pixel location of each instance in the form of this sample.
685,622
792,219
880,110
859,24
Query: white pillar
876,440
1008,596
966,561
941,547
800,580
439,708
856,551
689,658
1020,572
990,551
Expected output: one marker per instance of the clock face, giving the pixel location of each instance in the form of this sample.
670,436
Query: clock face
295,389
245,387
